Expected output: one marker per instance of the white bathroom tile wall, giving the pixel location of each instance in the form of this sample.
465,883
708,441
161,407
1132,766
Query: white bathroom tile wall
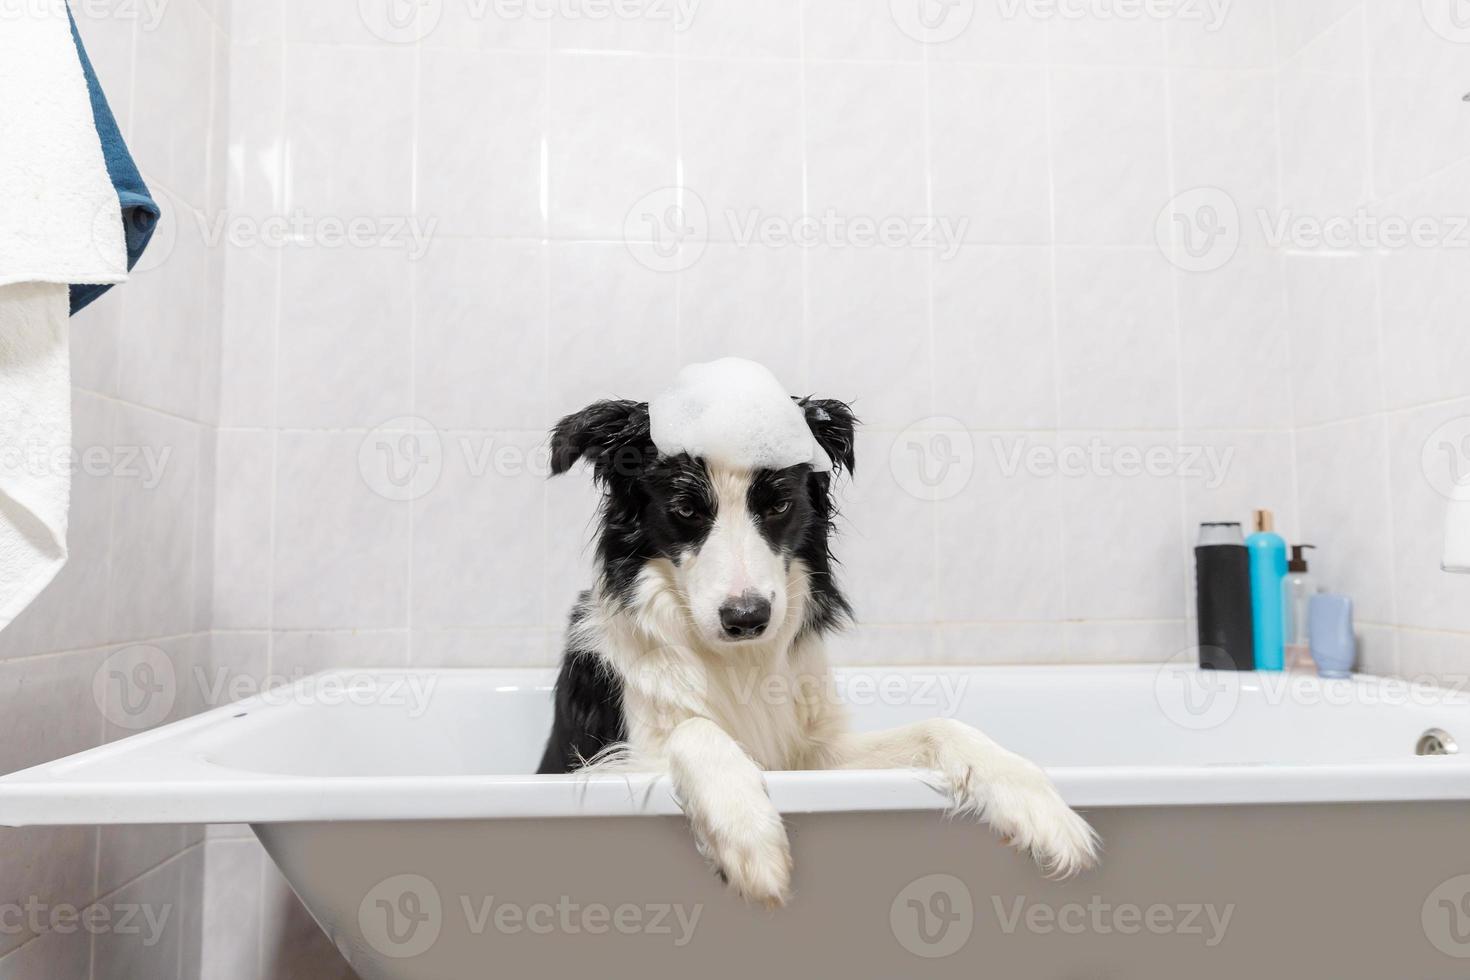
1110,154
1002,643
886,534
1424,295
1341,478
248,332
172,148
96,336
473,561
744,29
1122,523
1434,657
345,149
880,296
1423,460
341,548
295,655
128,851
1298,23
1115,36
1332,310
1217,118
129,707
865,140
241,597
855,30
469,24
1234,349
1008,515
479,345
152,589
1118,362
479,172
1240,34
514,647
612,324
344,355
1003,197
751,300
985,33
1132,641
257,137
769,111
1419,125
153,951
596,101
633,29
1324,125
1379,650
231,909
730,113
171,293
52,955
231,665
989,299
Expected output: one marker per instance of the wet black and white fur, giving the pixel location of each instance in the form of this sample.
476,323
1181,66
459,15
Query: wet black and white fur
699,652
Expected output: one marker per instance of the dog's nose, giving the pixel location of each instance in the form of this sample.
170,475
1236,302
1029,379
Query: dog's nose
745,616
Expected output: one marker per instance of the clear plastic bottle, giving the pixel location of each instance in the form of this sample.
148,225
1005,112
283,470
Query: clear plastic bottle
1297,590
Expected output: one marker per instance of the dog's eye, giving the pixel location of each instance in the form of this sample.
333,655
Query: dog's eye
777,509
684,512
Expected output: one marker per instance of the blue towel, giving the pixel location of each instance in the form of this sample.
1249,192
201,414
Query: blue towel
139,212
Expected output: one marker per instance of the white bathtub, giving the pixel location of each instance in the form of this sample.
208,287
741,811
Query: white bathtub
1254,825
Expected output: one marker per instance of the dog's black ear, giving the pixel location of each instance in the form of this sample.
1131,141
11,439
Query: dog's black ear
833,423
613,436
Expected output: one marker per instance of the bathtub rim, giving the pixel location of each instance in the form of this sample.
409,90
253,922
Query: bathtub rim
169,784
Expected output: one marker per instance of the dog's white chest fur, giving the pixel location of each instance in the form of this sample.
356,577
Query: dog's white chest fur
768,696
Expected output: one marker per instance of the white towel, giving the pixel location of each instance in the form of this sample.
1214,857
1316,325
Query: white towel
35,454
62,221
61,224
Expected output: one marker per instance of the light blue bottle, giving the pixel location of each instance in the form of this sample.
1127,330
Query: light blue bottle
1268,568
1333,645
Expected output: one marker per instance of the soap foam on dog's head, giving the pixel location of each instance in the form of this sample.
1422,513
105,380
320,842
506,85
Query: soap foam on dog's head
734,413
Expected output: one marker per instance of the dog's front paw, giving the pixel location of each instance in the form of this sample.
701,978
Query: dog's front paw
1024,807
750,853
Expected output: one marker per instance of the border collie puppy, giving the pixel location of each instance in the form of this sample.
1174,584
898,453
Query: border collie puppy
699,653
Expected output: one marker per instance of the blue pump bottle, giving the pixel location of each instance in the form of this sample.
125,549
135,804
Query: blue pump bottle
1268,568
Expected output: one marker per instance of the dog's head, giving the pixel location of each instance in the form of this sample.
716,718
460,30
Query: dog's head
739,544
